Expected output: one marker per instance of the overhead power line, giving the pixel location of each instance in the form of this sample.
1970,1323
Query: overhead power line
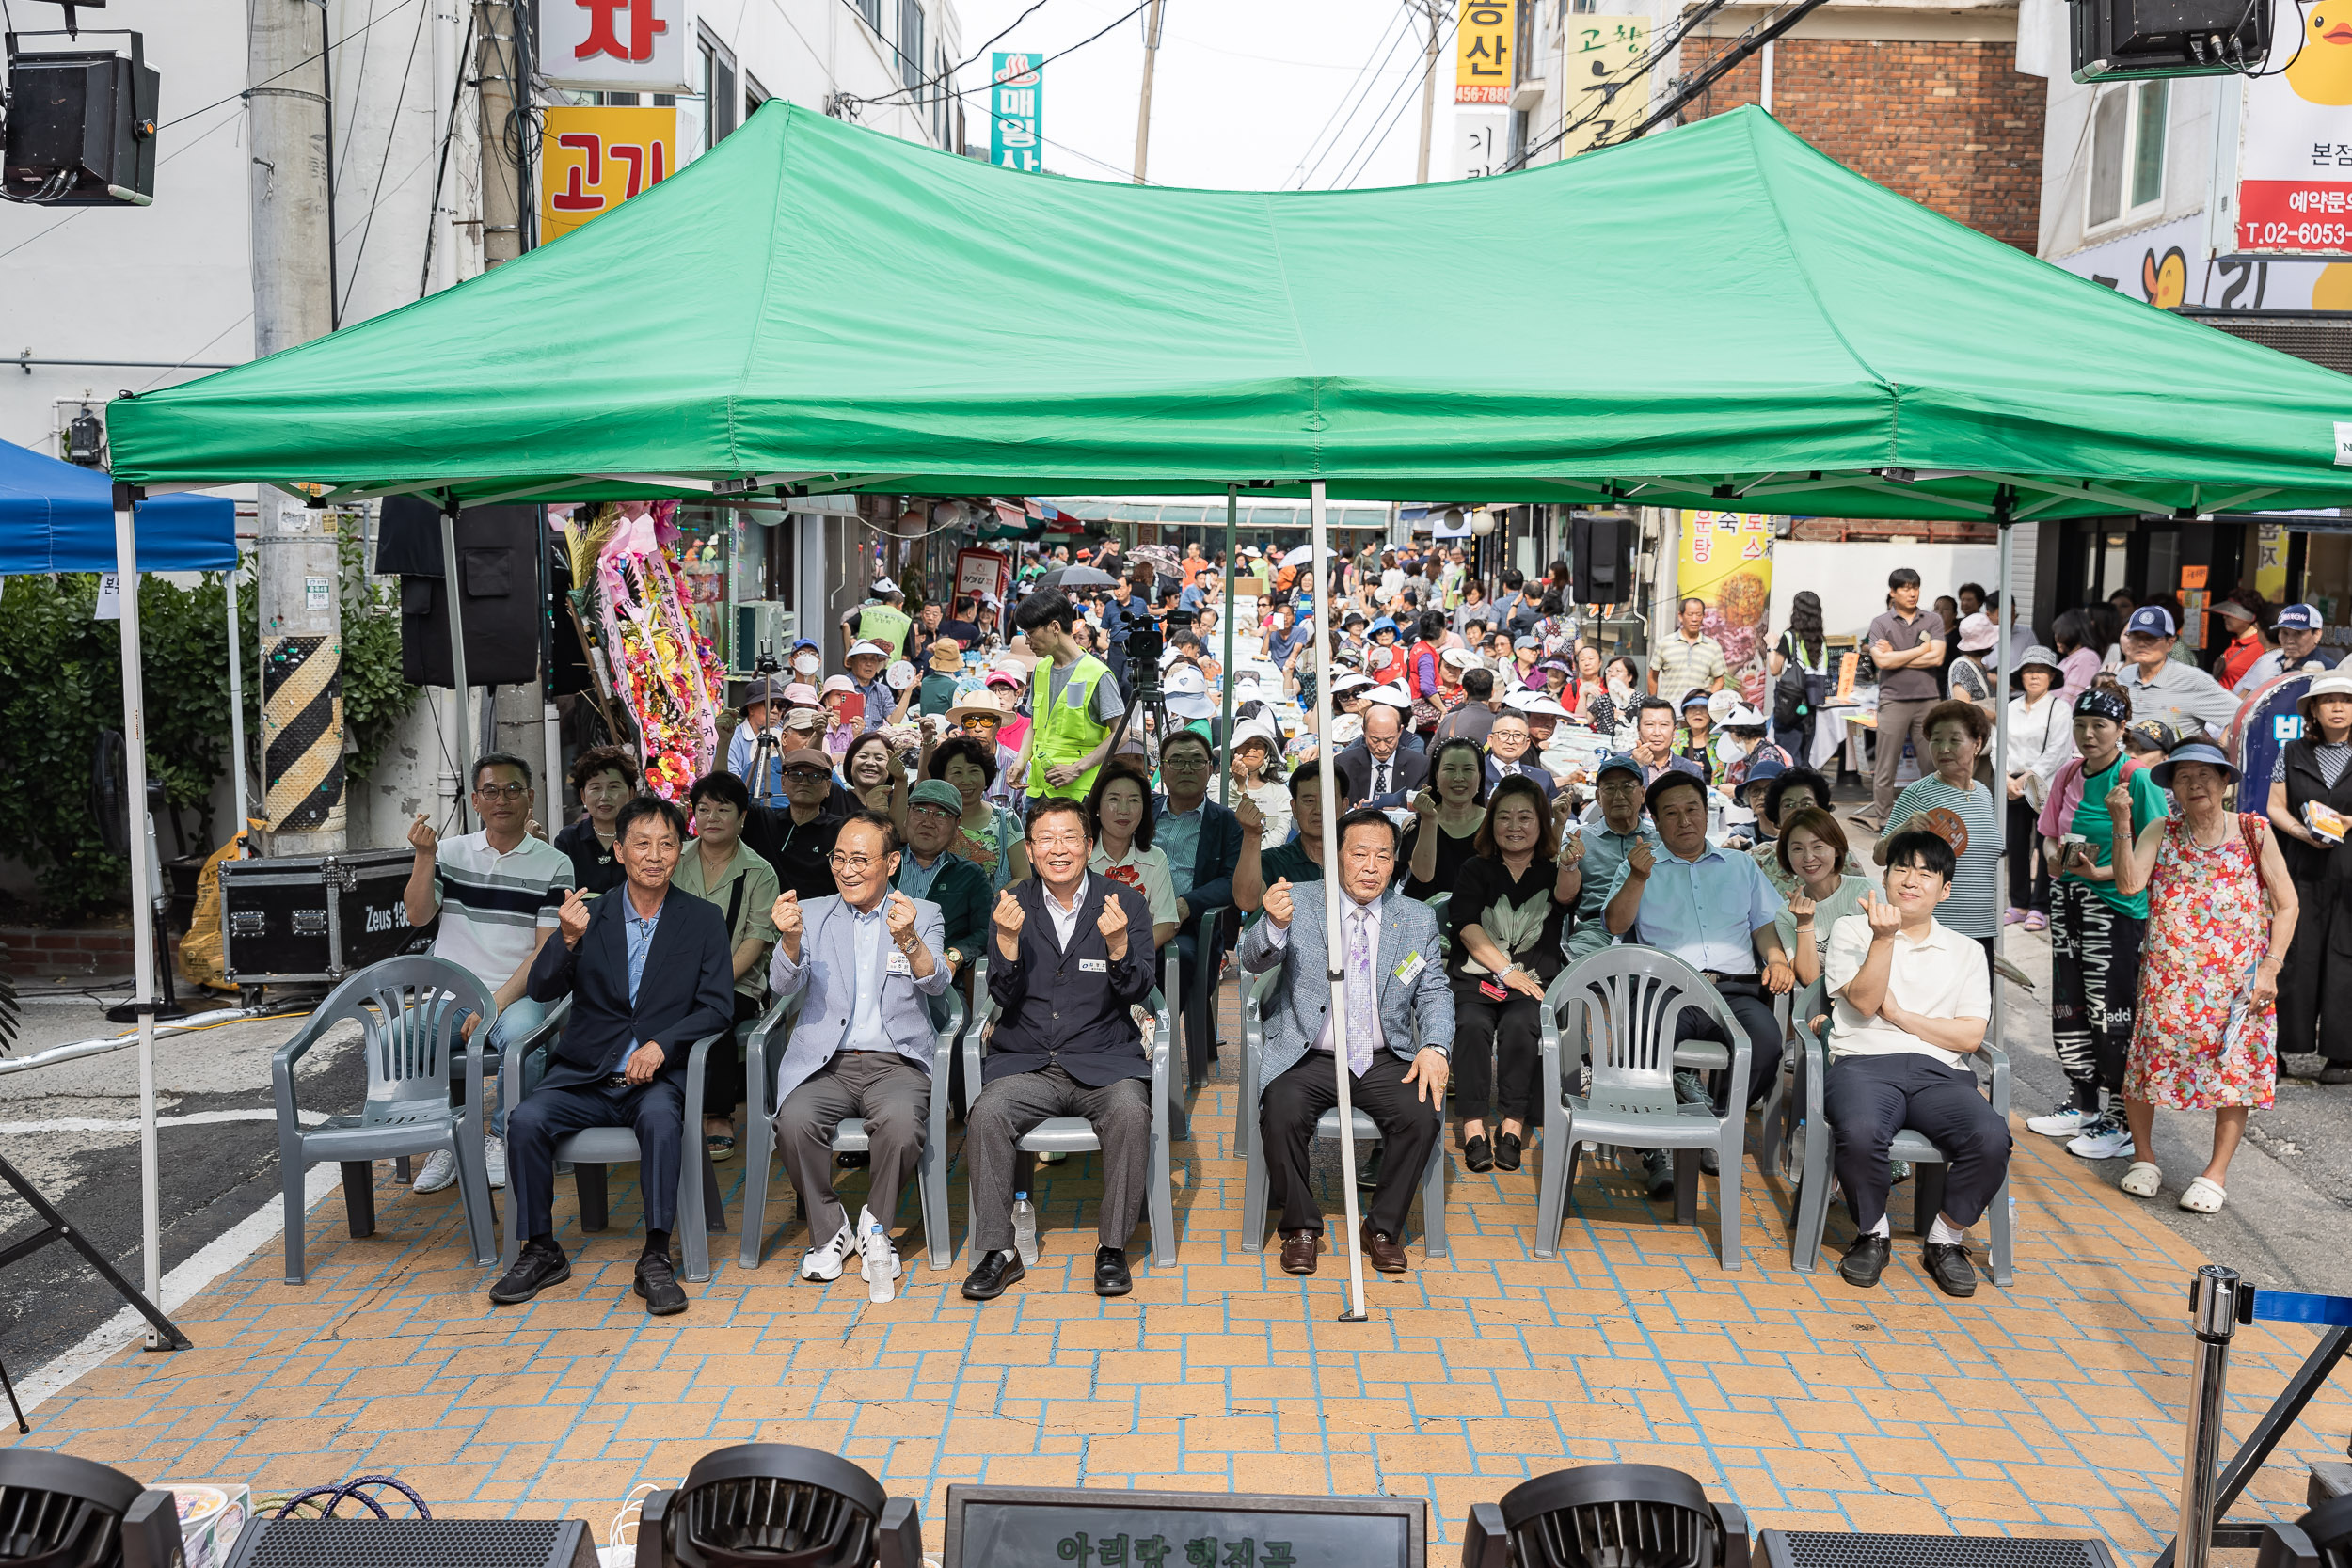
1351,98
1361,157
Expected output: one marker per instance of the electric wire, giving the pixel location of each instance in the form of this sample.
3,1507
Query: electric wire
1362,155
391,129
950,74
358,74
1041,64
1352,97
247,91
440,170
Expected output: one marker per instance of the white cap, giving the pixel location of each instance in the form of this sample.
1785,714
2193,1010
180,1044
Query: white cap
1258,730
869,647
1187,692
1390,696
1534,703
1461,659
883,585
1743,717
1349,682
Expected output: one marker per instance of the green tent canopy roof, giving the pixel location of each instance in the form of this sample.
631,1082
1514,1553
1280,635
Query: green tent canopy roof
1714,316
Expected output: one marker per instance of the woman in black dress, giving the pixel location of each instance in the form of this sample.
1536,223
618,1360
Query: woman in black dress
1507,921
1447,816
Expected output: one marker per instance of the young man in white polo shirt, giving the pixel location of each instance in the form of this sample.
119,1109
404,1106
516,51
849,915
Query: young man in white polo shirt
499,893
1911,999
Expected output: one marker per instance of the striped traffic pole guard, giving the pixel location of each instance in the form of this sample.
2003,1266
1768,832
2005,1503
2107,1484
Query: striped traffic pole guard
302,699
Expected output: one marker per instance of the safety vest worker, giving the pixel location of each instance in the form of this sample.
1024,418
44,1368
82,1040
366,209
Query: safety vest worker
1075,705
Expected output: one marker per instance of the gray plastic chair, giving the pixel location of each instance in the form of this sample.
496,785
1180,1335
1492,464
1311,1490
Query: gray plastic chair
1813,1153
1621,1005
850,1136
1254,1181
700,1208
409,1010
1778,1110
1076,1134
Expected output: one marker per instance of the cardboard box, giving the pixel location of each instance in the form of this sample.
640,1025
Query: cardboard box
211,1518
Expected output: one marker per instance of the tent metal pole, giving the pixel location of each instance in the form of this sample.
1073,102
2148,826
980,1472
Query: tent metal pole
126,497
461,733
236,702
1334,900
1225,769
2001,662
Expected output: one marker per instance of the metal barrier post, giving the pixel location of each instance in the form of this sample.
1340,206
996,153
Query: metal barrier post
2213,1313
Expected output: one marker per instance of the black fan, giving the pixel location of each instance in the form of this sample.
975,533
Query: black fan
1607,1516
776,1505
59,1511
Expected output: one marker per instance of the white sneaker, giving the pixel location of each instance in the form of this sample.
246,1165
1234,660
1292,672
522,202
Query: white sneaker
2107,1138
494,1159
440,1170
824,1262
2068,1123
880,1264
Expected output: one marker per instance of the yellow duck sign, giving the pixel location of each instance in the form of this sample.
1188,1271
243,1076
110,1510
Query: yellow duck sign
2321,72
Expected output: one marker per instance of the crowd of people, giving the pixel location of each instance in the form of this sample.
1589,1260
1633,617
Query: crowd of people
1009,785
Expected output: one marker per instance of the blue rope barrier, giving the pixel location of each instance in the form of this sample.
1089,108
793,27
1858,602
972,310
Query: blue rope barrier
2294,1307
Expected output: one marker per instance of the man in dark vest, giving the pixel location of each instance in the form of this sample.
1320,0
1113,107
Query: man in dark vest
1063,975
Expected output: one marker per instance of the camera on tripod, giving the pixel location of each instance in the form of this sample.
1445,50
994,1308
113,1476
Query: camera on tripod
767,663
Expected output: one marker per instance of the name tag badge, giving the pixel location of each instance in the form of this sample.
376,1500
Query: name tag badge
1410,968
1093,966
899,965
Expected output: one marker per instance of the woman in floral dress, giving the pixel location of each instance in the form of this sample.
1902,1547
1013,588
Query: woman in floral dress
2204,1034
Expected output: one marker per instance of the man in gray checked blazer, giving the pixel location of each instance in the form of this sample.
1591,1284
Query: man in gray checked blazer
865,960
1400,1034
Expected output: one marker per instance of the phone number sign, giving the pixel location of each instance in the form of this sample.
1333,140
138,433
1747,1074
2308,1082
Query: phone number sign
2294,214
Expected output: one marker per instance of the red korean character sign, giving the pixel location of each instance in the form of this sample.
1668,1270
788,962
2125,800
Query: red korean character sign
616,45
593,159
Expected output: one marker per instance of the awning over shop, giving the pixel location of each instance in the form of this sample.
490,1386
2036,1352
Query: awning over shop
58,517
1716,315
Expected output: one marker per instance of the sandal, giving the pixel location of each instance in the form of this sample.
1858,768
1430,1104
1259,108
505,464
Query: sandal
2037,921
2204,1196
2142,1180
720,1145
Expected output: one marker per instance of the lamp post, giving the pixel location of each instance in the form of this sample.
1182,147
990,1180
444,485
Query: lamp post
1481,527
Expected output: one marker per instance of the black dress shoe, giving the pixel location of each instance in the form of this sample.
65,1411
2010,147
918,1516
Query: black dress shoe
1299,1251
995,1271
1866,1261
1387,1257
658,1283
1508,1146
1476,1157
1711,1163
2336,1072
1947,1264
533,1273
1110,1272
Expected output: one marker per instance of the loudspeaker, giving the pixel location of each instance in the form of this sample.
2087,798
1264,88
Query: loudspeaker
499,574
1600,552
2115,40
415,1544
65,1513
81,129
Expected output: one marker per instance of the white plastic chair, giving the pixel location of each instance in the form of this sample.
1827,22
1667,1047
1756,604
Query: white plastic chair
850,1137
1621,1006
409,1010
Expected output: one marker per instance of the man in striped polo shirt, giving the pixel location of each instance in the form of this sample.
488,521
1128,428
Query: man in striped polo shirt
499,893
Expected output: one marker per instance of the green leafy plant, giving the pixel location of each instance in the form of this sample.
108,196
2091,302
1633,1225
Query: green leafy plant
375,696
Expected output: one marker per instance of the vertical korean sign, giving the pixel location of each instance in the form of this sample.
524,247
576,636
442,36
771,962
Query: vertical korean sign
2295,147
1606,94
1016,112
593,159
1727,564
1481,51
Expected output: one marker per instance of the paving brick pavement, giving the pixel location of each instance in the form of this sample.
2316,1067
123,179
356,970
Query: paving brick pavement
2050,1406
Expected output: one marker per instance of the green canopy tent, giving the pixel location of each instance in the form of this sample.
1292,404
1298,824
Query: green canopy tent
1718,315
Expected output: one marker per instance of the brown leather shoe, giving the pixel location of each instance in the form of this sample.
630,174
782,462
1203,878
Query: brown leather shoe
1387,1257
1299,1251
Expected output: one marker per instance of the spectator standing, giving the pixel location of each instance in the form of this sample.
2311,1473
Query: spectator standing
1504,921
1475,717
2096,927
2241,616
1951,802
2161,686
2040,739
1074,706
2079,645
2312,778
1693,742
1947,612
762,704
605,779
1907,644
1797,698
499,895
1447,816
1689,658
719,868
1424,670
1968,678
2297,627
1592,683
2204,1033
1473,605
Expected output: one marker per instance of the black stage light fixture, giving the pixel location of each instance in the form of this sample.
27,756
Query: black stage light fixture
59,1511
2135,39
1607,1516
777,1505
80,128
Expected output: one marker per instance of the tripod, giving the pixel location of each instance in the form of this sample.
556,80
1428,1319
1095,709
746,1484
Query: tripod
767,751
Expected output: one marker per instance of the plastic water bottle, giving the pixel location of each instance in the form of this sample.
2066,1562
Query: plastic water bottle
1024,1230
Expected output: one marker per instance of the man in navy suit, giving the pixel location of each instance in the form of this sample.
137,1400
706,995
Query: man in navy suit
1507,745
1071,957
1202,842
649,973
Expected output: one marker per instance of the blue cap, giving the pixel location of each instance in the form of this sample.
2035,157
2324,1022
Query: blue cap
1383,624
2151,619
1620,762
1764,770
2297,617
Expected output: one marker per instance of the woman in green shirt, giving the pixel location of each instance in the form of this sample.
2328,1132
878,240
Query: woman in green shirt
2095,928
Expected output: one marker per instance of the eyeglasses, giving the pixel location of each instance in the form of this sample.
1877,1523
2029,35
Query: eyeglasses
502,792
940,811
859,864
804,775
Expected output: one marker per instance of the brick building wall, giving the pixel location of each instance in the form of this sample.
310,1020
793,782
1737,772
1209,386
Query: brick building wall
1952,125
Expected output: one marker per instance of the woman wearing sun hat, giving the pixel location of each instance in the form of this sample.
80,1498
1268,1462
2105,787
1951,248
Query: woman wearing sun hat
2311,788
2221,914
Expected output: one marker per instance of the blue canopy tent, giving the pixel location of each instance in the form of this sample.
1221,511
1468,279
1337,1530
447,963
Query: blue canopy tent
58,517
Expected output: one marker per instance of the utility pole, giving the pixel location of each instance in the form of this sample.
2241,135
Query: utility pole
505,157
294,295
1428,91
1143,105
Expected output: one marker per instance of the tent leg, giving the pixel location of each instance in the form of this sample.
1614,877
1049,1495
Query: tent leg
236,702
2001,662
127,496
1232,564
461,744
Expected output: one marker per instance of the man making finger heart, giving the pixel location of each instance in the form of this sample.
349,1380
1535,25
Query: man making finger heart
1068,954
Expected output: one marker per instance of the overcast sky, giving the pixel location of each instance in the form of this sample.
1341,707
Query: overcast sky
1249,94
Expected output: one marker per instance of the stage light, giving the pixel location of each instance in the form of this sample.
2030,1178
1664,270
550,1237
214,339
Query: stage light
59,1511
1607,1516
775,1505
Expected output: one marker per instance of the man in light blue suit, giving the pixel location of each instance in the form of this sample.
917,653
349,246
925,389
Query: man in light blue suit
863,962
1400,1034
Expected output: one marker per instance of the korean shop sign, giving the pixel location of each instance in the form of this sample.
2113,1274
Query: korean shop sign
1016,112
593,159
616,45
1481,51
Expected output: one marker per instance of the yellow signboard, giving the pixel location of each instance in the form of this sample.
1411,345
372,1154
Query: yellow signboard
1727,564
1481,51
1607,96
591,160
